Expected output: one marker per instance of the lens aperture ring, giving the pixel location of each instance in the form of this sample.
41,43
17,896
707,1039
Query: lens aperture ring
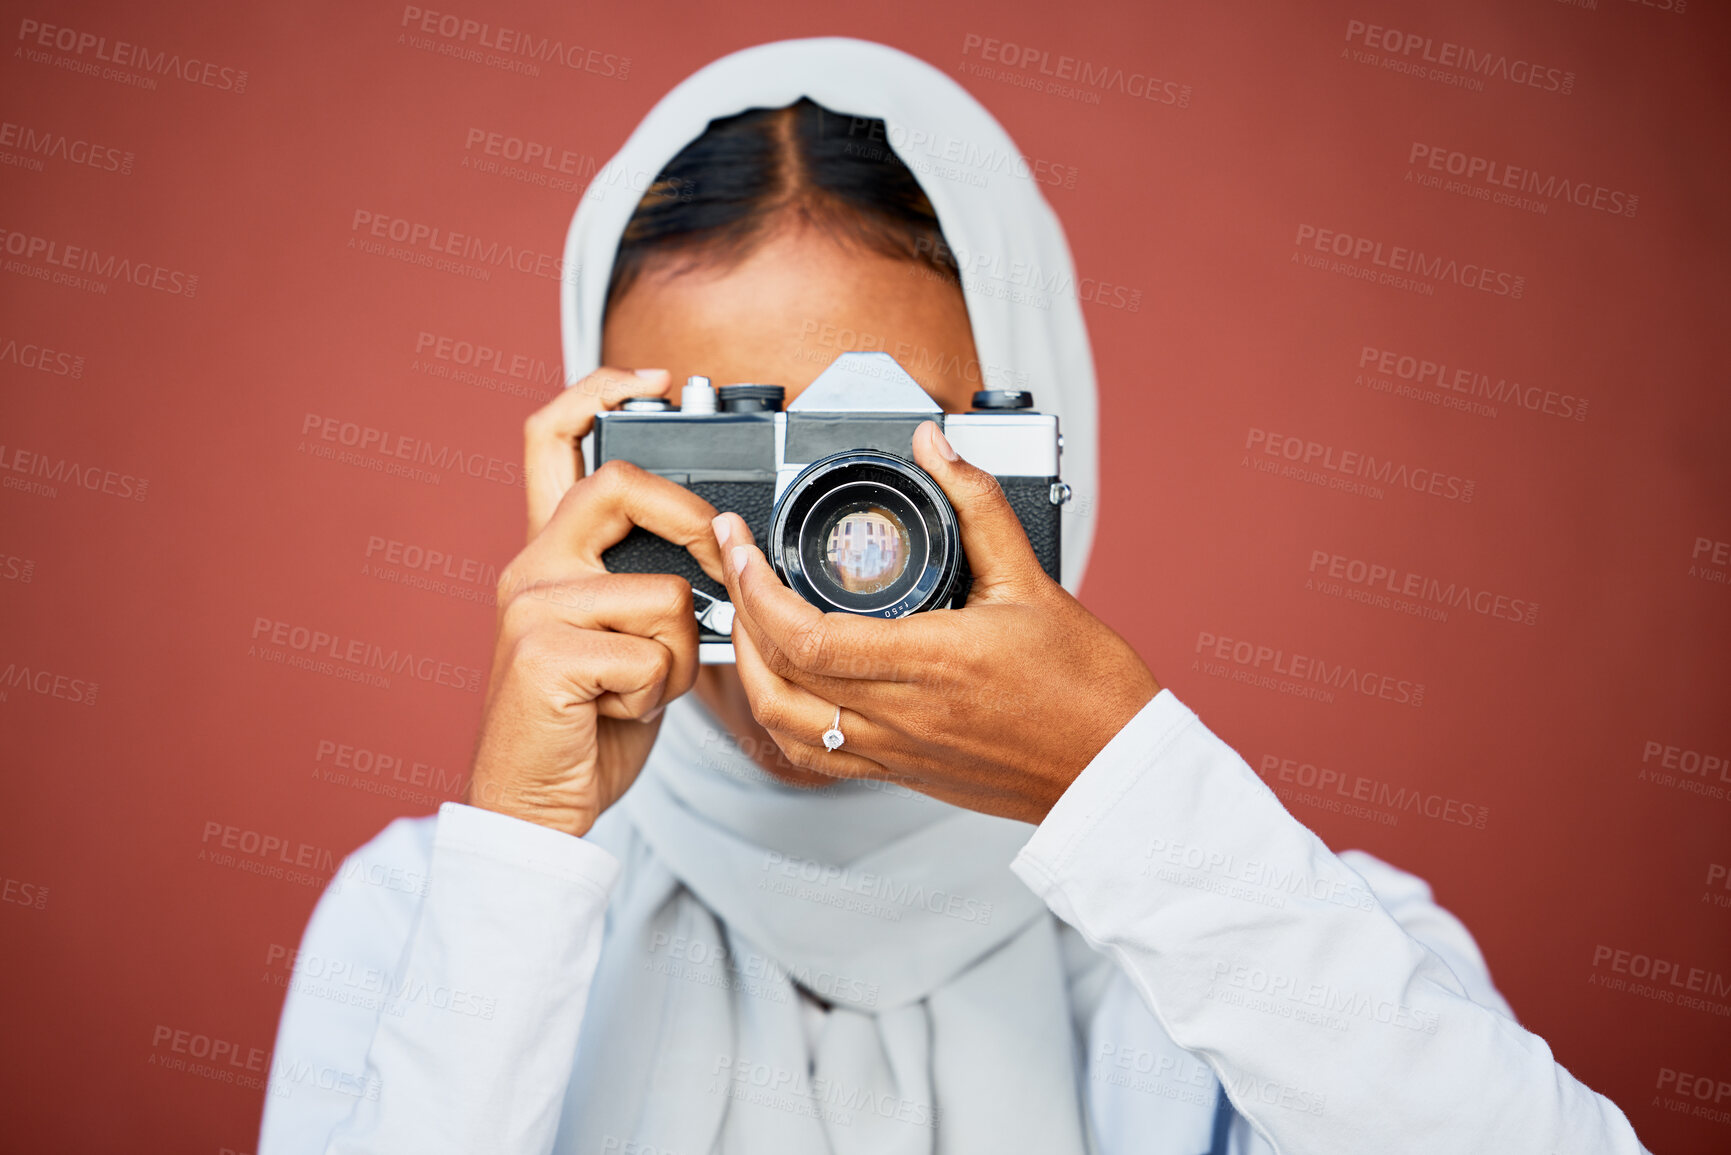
867,533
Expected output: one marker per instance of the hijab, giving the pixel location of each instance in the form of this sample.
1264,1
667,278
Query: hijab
949,1027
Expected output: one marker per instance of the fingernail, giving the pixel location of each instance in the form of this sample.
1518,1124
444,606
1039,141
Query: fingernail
655,713
942,443
719,524
648,373
740,557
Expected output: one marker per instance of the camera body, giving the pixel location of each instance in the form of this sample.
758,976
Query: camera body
829,487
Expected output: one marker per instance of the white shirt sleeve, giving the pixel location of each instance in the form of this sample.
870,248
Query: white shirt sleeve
1333,1029
439,991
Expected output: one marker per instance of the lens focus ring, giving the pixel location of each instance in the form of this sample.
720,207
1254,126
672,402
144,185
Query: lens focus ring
866,533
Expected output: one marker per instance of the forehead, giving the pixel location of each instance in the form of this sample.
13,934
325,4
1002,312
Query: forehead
787,310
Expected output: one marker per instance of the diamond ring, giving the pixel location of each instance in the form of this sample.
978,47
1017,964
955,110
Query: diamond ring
832,738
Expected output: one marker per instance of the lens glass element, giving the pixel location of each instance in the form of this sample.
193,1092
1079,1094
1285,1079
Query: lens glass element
867,548
866,532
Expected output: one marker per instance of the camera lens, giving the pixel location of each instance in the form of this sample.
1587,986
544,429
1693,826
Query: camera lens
868,533
867,548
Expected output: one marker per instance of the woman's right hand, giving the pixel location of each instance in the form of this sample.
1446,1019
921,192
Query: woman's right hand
584,660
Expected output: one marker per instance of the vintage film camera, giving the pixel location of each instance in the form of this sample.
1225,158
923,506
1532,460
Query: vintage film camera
829,487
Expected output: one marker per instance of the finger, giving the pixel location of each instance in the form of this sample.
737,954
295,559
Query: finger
790,630
635,675
839,764
731,530
551,461
624,676
796,718
1002,561
652,606
597,512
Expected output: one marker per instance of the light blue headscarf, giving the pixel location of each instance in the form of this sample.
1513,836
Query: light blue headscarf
949,1027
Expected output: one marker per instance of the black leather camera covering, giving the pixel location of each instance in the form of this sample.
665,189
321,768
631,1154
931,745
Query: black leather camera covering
643,552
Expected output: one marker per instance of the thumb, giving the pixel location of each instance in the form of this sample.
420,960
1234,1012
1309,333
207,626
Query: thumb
1002,561
551,460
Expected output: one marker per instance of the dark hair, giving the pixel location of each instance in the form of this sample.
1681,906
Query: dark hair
726,191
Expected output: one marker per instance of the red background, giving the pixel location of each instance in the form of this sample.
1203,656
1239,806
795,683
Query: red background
122,915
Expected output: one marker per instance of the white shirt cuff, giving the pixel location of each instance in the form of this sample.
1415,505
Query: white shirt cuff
525,845
1099,788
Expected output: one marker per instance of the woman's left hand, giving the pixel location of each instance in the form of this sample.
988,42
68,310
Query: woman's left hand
997,706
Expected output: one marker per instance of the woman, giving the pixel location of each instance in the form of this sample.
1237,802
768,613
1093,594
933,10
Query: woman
743,954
